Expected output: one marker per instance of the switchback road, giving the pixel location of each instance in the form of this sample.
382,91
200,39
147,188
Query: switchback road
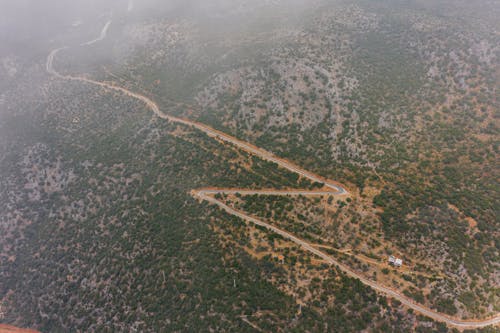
329,188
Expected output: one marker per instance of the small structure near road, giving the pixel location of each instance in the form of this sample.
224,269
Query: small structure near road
280,258
396,262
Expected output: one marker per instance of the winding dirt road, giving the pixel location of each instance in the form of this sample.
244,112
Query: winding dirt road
329,188
103,34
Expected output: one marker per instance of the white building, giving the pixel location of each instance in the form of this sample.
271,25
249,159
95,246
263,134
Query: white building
397,262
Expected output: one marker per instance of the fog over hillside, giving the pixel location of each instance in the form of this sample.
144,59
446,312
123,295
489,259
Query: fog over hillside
250,165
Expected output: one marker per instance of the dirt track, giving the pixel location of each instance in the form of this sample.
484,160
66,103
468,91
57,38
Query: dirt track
330,188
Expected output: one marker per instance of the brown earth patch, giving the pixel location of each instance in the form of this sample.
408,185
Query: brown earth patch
12,329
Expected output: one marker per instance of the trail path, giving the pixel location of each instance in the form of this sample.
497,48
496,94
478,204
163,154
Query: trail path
329,188
103,34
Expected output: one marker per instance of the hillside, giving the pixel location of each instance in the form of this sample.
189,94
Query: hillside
397,102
